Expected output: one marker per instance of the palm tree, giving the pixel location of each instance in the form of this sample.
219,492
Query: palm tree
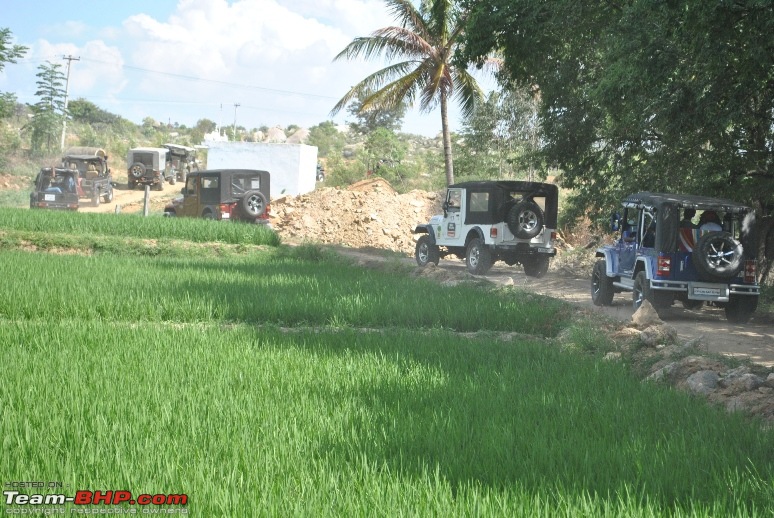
425,43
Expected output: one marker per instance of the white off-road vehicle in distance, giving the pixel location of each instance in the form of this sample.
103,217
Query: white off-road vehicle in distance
487,221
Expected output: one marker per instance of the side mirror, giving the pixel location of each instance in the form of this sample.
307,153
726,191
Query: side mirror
615,222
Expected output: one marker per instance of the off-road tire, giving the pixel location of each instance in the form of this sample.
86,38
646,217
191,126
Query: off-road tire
642,291
536,266
717,257
602,289
426,252
108,196
740,308
137,170
95,198
525,219
207,214
253,203
478,257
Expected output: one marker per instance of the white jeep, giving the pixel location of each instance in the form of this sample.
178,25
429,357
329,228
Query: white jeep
487,221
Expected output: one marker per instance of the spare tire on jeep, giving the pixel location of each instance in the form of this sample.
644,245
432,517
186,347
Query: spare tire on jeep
137,170
525,219
253,203
717,257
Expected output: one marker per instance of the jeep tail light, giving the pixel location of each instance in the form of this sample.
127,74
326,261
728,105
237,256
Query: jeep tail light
664,266
750,271
553,236
265,214
493,232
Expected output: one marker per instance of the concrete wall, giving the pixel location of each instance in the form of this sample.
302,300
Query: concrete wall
293,167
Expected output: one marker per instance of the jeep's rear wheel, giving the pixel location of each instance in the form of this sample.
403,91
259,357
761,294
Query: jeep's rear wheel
602,290
740,308
253,203
642,291
525,219
207,214
717,256
137,170
478,257
536,266
426,252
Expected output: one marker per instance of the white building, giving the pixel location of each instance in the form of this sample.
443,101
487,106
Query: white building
293,167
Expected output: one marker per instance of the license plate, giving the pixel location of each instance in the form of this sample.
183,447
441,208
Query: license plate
707,292
225,215
545,250
49,197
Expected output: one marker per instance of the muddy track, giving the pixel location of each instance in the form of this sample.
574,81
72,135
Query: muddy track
753,341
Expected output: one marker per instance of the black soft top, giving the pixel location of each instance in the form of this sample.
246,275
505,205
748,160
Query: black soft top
669,206
684,201
501,189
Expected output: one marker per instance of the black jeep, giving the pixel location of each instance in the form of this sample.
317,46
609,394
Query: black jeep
663,255
55,188
235,194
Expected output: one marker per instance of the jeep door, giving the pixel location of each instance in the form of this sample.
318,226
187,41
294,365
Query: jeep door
451,232
190,205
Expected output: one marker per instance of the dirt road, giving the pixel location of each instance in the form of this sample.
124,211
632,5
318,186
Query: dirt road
753,341
133,200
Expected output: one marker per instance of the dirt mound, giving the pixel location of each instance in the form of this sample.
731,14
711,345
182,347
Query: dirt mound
367,214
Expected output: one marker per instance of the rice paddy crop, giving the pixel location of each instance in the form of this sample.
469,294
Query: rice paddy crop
269,383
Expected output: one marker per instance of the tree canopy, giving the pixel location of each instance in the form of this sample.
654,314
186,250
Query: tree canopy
644,94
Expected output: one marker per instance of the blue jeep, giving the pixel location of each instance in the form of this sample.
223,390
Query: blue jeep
663,255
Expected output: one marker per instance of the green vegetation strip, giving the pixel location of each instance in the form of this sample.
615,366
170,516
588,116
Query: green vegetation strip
132,225
251,421
260,287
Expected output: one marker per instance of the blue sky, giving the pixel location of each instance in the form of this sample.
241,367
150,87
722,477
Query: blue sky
180,61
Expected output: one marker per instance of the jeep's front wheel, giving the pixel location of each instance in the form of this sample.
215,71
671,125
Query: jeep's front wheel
536,266
108,197
643,291
95,198
525,219
602,290
478,257
426,252
717,257
740,308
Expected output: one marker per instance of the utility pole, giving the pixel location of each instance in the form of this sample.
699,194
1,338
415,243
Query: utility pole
69,59
236,105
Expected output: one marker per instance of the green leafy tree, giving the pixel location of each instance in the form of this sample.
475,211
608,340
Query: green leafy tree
328,139
7,105
427,41
367,121
642,94
501,137
384,154
49,112
9,52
